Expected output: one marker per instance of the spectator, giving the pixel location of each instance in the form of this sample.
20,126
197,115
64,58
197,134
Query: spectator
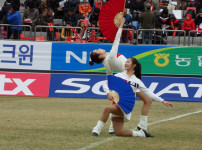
16,3
191,3
198,5
4,11
181,4
136,9
67,33
36,3
127,18
91,2
188,24
14,18
173,24
82,32
70,18
31,15
125,33
127,4
45,4
84,8
46,17
198,22
157,36
94,34
94,16
154,6
71,4
58,10
98,4
163,19
147,21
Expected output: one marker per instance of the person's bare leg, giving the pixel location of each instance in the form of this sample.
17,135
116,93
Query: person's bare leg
114,109
118,123
105,115
147,103
145,110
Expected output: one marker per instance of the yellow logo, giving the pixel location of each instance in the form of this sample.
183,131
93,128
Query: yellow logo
160,57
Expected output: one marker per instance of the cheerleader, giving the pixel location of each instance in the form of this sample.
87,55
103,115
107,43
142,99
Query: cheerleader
118,117
115,61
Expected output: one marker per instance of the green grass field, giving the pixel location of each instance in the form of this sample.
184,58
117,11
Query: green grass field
30,123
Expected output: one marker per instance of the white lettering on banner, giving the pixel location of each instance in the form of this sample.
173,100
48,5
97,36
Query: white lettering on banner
69,82
153,86
21,86
184,61
200,61
181,86
198,94
96,88
82,60
85,87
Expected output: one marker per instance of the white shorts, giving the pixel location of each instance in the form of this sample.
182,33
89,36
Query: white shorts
126,116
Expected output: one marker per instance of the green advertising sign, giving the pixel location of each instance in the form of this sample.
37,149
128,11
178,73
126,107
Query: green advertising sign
172,60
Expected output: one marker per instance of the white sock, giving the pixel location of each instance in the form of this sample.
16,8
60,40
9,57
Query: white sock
143,122
138,133
111,129
100,124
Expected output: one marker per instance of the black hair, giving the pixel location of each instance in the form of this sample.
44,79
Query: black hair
94,22
49,9
31,5
71,10
172,16
95,58
97,10
137,69
14,6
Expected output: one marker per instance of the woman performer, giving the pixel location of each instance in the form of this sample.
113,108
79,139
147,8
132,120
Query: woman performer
114,61
132,69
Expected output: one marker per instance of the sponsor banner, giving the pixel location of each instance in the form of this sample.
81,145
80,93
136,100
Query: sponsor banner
25,55
154,59
24,84
175,60
75,57
77,86
90,86
175,88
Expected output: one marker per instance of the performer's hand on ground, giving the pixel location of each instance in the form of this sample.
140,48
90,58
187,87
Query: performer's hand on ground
167,103
109,96
122,22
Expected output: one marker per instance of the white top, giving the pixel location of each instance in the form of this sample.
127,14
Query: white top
137,85
111,62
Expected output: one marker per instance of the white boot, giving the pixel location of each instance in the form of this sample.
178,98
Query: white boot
111,129
143,123
139,133
97,129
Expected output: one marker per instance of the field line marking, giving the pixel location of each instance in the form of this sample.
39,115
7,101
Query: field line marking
95,144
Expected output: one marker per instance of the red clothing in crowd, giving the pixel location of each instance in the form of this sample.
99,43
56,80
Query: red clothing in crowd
188,24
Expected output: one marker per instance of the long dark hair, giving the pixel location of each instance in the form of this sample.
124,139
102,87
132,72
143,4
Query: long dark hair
95,58
137,69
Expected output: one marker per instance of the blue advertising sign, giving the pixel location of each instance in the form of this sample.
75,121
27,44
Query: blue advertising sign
90,86
77,86
175,88
75,57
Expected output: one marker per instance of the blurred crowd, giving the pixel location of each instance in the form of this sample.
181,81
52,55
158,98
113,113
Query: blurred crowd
139,14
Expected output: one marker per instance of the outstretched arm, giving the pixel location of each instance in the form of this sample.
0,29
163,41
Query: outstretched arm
153,96
115,46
